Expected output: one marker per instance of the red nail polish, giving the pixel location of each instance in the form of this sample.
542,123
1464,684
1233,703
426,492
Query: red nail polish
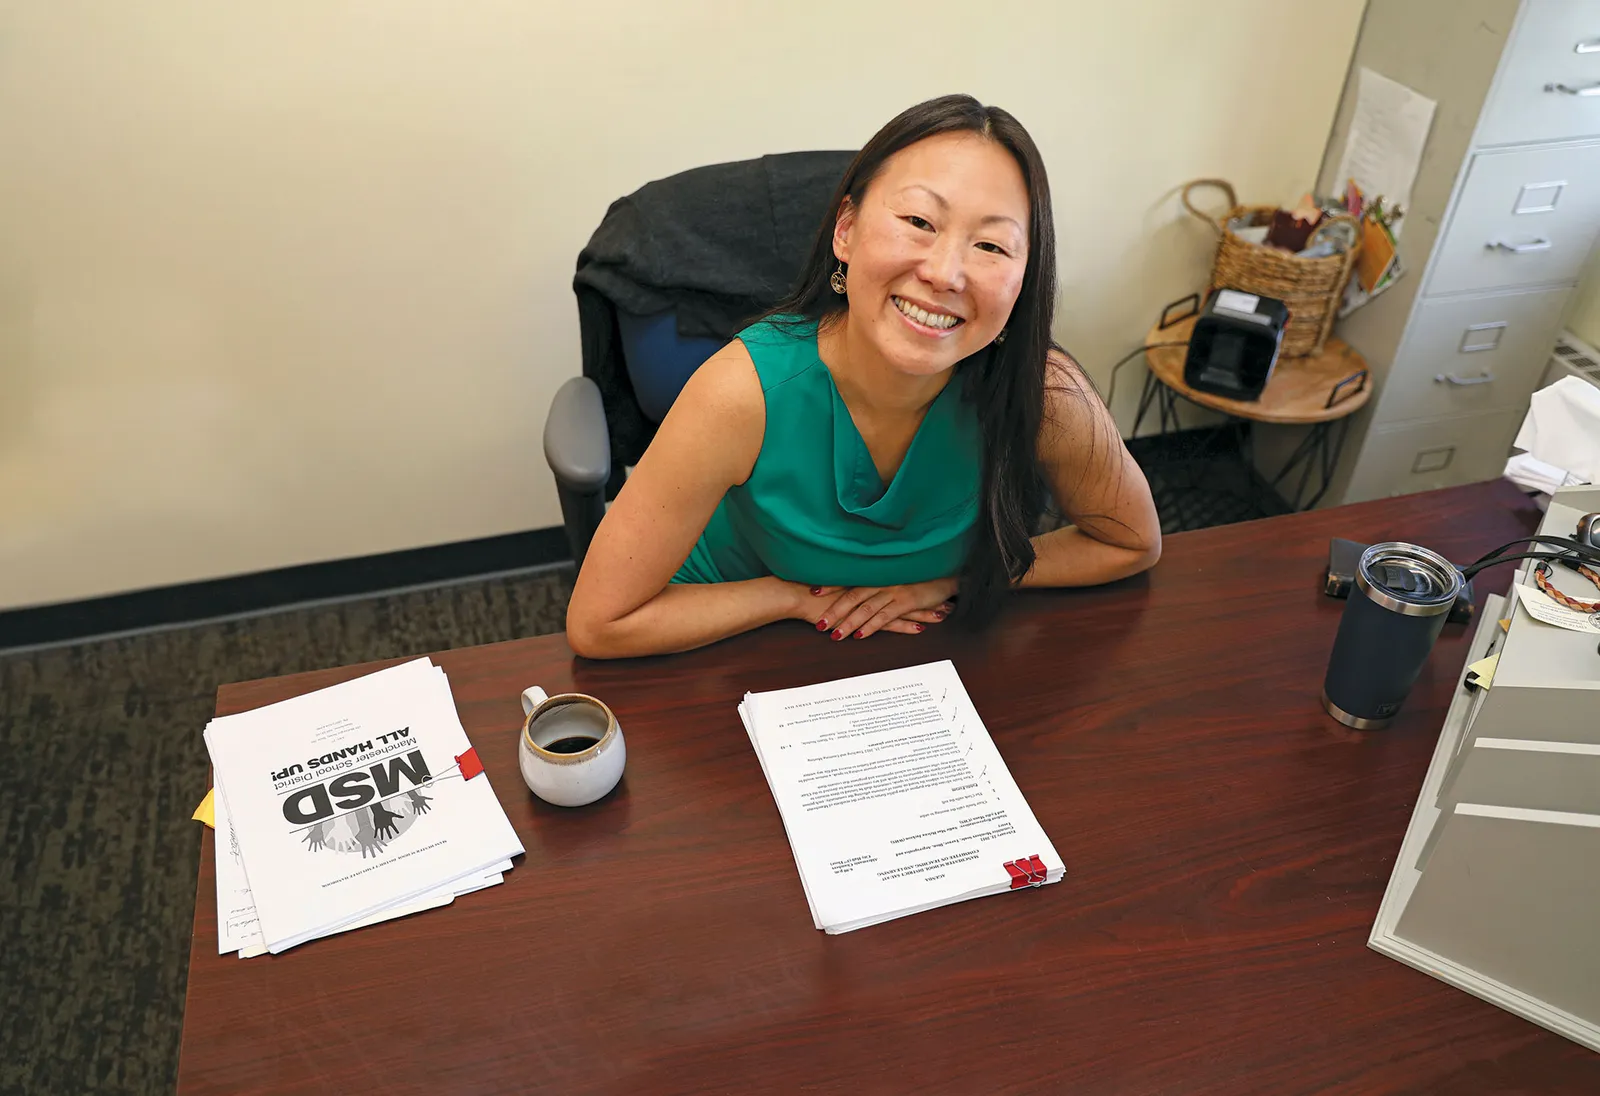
822,625
860,634
838,635
919,627
938,613
816,589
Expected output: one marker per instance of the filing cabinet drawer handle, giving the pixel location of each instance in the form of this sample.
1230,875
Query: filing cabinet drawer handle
1479,337
1591,46
1462,382
1590,89
1518,249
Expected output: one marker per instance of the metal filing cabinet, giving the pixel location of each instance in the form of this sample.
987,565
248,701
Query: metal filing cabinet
1504,216
1494,889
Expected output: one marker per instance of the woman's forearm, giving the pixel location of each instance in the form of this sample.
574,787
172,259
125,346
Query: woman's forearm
1070,557
682,617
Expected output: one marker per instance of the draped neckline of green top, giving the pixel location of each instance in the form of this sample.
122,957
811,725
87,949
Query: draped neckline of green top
861,489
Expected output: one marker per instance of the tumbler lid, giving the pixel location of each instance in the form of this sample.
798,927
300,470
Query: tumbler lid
1407,579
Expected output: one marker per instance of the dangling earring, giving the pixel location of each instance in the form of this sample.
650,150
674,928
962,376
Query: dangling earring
836,280
1000,338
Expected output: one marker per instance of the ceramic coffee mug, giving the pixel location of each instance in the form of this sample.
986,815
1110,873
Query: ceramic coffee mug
572,751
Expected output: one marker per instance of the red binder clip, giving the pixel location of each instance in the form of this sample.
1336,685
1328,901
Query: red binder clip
1027,872
470,765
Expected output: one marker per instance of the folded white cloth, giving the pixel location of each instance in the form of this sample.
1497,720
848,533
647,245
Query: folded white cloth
1562,429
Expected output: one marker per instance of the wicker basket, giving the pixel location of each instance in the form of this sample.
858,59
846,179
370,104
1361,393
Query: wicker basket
1311,288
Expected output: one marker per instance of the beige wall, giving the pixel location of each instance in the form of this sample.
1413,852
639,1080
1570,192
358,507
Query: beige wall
284,282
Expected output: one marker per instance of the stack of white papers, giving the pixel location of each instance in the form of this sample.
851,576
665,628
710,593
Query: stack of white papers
1532,474
893,796
348,806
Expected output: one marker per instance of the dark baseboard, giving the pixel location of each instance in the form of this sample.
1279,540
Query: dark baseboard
194,601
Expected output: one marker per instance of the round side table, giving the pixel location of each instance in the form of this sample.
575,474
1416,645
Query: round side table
1321,391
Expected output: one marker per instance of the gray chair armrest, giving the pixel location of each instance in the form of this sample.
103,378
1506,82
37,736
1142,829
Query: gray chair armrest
576,443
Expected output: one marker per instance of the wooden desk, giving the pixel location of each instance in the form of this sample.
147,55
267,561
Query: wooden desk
1226,847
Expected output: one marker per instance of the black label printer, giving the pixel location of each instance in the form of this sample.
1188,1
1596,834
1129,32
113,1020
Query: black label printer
1235,344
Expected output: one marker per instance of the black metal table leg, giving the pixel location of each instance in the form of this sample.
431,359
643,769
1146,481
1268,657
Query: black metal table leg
1169,410
1151,384
1319,449
1301,452
1330,457
1319,445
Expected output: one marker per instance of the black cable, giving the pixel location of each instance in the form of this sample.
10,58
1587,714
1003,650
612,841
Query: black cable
1128,357
1542,557
1575,546
1571,548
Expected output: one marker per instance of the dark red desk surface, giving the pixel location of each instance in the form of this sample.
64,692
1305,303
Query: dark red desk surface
1226,847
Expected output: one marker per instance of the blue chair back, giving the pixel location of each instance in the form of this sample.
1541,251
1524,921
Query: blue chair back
659,360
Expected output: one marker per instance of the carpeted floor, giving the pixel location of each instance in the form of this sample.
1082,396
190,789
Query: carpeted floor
104,762
1198,480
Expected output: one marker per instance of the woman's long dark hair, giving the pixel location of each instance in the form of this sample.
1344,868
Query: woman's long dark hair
1005,382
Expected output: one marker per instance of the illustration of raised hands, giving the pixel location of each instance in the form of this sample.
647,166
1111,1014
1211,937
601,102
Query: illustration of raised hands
365,837
317,836
383,821
419,802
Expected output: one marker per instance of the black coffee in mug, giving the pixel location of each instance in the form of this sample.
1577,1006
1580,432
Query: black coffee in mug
570,728
570,751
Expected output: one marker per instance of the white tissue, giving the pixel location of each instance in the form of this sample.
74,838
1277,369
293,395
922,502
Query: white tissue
1562,429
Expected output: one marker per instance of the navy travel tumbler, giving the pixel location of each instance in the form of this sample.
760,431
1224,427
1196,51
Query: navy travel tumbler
1396,609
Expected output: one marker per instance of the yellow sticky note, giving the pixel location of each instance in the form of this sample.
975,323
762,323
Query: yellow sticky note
206,811
1505,625
1481,672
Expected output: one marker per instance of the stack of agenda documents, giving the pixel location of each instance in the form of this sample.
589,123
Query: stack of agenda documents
894,797
347,806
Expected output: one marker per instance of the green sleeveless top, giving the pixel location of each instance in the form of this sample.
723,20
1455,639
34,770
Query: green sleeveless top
815,510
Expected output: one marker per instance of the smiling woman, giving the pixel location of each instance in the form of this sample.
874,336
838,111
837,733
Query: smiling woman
875,454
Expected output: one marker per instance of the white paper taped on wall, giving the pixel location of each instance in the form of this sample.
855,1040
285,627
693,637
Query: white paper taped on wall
1387,135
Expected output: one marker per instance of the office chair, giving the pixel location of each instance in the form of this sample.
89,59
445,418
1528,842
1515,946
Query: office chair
577,443
673,272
